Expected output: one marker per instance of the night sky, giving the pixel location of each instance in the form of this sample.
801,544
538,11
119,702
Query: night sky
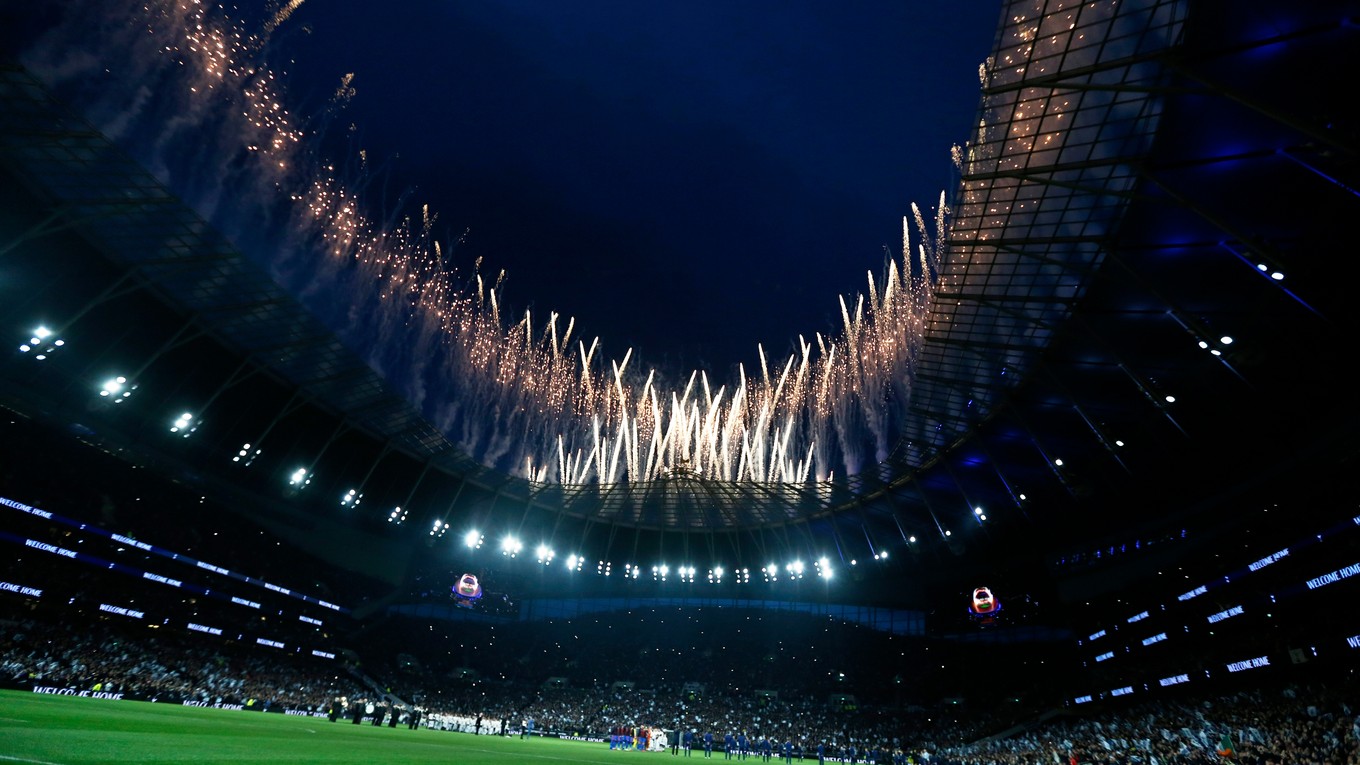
686,179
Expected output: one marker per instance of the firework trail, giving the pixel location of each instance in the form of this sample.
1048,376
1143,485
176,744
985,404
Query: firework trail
195,98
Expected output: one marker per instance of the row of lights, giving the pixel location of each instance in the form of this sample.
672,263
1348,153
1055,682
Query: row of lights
118,389
511,546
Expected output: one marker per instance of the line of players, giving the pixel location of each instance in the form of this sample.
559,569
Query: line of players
740,747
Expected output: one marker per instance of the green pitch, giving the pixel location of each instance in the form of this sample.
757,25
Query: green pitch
62,730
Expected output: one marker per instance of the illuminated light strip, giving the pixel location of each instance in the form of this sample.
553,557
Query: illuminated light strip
1173,680
1159,637
1334,577
1227,614
1138,617
1098,635
162,579
19,589
106,565
1106,655
135,614
1269,559
106,608
26,508
1081,700
1242,666
1126,690
1353,641
45,547
130,542
1195,593
122,539
310,620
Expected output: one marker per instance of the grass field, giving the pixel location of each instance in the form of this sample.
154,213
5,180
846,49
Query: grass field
62,730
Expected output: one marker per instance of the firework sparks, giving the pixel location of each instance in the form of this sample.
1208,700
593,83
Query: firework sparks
510,396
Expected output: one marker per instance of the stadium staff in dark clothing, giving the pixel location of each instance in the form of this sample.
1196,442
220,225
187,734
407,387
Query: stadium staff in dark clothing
392,723
379,711
357,713
675,741
413,719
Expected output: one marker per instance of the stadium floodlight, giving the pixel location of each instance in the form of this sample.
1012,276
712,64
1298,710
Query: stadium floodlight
912,539
1275,274
116,388
824,568
439,528
245,456
743,575
661,572
42,343
545,554
510,545
795,569
397,516
715,574
948,533
184,425
604,567
473,539
299,478
351,498
574,562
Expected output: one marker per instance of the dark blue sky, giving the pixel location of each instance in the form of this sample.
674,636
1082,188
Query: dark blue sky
687,179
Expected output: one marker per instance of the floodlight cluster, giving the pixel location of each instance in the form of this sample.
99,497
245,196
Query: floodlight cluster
185,425
42,344
117,389
245,455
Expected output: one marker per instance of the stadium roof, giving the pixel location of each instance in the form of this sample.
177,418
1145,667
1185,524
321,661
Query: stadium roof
1143,308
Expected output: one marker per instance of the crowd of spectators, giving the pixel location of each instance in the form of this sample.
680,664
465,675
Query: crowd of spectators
1315,720
165,666
1311,723
781,677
